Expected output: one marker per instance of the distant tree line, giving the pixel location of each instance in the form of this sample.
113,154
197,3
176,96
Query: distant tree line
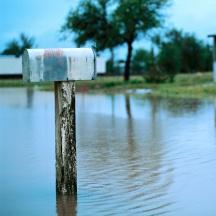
17,46
178,52
191,54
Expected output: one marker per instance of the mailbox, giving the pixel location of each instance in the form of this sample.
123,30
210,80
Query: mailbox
70,64
60,66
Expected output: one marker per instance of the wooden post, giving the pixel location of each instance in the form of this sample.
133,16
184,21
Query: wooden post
66,170
214,59
63,67
214,56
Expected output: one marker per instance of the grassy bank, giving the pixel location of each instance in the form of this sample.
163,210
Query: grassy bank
192,85
107,84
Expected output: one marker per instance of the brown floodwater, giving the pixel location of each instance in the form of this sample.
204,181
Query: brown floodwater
136,156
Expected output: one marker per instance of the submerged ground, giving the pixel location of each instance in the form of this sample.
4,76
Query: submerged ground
136,156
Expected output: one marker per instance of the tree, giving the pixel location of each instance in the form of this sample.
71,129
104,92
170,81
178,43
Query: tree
195,54
134,18
17,46
140,61
111,25
169,60
147,62
91,22
206,58
182,52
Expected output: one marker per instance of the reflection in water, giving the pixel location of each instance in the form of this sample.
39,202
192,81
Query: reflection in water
151,187
123,164
215,111
128,106
66,205
180,107
30,95
130,127
135,156
113,105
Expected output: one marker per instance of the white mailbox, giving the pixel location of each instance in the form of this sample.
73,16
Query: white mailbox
70,64
60,66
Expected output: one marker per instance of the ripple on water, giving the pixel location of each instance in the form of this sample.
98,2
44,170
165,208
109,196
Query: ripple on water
135,156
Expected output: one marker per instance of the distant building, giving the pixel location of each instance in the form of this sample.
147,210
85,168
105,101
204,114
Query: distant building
214,55
11,66
101,65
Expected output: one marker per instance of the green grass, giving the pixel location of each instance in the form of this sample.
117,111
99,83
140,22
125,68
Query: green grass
190,85
111,84
5,83
11,83
185,85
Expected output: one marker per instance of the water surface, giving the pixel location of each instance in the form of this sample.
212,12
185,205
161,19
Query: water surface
135,156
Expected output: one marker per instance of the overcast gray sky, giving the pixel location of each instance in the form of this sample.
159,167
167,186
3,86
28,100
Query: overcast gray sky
43,18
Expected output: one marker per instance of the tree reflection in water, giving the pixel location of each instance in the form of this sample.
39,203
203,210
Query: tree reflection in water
150,178
30,97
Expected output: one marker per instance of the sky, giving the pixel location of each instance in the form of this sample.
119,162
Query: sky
43,19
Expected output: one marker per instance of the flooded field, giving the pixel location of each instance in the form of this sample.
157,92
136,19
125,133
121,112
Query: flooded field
135,156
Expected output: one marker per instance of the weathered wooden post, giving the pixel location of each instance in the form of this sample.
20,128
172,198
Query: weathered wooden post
64,67
214,56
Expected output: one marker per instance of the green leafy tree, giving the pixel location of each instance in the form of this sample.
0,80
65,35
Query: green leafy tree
195,54
134,18
111,24
92,22
182,52
139,61
147,63
153,72
206,58
169,60
17,46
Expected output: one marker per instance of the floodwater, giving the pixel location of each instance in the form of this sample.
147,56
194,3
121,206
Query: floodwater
135,156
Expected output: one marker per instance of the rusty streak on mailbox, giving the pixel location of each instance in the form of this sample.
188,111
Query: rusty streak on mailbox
63,66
